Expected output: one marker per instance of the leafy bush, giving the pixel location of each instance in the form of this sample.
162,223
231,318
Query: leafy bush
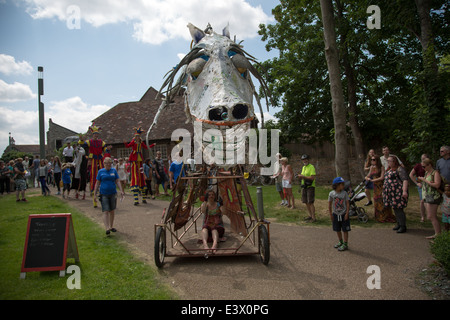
440,248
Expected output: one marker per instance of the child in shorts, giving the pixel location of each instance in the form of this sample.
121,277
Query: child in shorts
338,207
66,179
446,207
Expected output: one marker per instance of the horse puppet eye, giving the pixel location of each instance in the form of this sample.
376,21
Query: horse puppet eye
240,62
195,67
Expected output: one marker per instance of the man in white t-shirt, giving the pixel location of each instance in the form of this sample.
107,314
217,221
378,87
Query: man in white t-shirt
68,153
386,155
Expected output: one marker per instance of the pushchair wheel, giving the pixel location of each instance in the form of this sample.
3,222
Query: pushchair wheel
362,215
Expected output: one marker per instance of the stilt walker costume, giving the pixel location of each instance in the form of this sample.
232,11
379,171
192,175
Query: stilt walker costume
96,147
137,171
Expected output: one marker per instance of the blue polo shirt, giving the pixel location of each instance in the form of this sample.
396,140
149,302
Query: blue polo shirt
175,167
107,180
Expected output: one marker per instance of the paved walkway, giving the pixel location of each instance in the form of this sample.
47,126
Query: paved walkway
303,263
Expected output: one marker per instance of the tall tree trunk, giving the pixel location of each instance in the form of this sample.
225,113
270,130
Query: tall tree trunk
351,94
431,84
352,114
337,96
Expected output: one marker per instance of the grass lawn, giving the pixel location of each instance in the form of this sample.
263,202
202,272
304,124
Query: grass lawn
108,269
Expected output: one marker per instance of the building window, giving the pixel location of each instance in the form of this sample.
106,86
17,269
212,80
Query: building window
124,153
162,148
58,144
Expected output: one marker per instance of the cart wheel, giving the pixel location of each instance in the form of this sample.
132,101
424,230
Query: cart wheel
264,249
266,180
160,247
362,216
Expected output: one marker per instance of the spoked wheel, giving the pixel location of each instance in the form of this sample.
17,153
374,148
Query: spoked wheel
362,215
160,247
264,248
251,181
266,180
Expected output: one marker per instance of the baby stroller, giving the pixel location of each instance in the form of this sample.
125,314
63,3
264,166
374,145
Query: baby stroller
356,195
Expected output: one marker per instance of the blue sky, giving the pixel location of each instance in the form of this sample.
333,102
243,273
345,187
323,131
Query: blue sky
120,49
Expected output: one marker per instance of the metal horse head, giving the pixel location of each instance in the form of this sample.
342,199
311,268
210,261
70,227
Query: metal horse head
216,74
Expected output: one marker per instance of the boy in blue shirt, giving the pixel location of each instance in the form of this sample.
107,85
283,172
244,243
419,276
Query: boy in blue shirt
175,170
66,179
338,207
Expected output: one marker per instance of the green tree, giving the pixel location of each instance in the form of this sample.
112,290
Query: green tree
14,154
381,73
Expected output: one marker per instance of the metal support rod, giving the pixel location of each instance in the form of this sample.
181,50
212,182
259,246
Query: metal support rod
259,198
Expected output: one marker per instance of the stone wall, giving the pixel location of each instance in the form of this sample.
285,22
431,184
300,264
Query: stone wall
326,170
56,132
322,158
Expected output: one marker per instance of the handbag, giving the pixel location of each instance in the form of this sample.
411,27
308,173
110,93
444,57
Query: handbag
433,196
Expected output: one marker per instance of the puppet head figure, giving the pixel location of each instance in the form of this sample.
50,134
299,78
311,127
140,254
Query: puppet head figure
216,76
219,90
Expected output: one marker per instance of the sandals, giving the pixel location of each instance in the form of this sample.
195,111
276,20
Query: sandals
110,230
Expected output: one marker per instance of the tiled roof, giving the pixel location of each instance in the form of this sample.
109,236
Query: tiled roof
118,122
26,148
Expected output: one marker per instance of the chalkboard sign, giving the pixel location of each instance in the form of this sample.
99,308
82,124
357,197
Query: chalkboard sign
50,240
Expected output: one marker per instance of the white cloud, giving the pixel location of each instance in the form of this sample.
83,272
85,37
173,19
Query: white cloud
8,66
157,21
267,116
72,113
15,92
23,126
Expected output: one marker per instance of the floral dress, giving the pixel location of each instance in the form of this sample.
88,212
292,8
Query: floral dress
382,213
393,188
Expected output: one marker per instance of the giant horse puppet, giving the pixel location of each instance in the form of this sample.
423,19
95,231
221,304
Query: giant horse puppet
218,91
218,87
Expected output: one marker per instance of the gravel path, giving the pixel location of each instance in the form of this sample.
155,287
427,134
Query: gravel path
303,263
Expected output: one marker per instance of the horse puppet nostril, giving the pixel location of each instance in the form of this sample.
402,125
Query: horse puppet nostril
240,111
218,114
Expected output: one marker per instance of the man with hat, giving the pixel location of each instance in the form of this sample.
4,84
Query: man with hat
136,158
308,185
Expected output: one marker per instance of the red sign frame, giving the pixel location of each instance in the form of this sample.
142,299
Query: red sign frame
70,244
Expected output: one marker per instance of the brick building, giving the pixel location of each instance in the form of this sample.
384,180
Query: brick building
56,135
118,122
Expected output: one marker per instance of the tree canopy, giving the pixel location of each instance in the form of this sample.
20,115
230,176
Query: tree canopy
395,78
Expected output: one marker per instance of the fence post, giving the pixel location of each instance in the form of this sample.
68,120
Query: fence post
259,198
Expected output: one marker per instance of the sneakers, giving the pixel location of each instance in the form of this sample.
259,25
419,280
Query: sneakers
341,246
337,245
